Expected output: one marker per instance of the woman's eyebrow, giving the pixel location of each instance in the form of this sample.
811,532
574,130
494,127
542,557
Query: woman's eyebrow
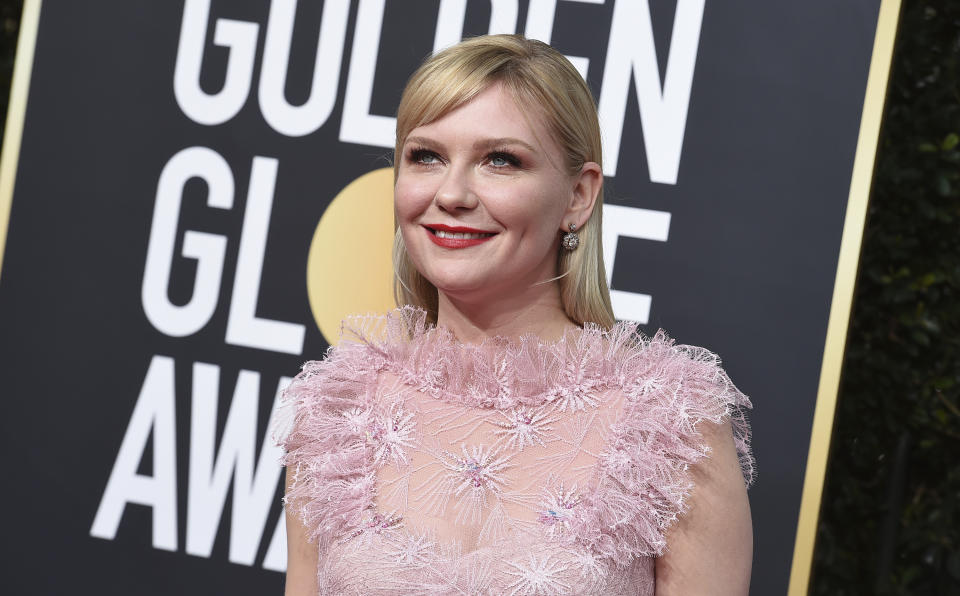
422,141
487,144
479,145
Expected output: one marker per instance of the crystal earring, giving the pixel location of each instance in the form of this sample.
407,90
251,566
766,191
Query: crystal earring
571,240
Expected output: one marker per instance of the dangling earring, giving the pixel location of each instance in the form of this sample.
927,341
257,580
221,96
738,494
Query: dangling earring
571,240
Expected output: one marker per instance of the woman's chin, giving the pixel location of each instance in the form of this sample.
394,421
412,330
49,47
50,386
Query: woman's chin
462,290
472,290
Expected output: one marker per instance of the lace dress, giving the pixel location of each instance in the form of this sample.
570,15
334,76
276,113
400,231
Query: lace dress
425,466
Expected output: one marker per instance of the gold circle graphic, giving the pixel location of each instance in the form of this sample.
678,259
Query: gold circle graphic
349,267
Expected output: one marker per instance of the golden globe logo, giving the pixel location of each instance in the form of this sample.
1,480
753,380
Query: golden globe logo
350,267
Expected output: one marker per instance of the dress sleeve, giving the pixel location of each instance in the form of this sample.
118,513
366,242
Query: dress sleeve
319,425
644,476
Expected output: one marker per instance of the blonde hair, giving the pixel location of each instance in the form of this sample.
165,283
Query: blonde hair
536,75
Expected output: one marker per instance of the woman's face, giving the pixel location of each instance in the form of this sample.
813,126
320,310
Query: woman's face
480,197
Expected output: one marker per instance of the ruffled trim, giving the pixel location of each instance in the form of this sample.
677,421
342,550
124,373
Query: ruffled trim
643,483
333,480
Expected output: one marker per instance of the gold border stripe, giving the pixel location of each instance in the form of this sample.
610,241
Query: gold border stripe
863,165
16,111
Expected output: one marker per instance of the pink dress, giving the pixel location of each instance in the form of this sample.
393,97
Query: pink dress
425,466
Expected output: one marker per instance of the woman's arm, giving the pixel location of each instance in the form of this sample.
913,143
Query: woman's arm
710,548
302,556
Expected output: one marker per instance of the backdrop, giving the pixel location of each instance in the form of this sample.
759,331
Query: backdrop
200,195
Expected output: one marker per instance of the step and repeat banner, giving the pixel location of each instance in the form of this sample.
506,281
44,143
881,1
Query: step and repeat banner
197,191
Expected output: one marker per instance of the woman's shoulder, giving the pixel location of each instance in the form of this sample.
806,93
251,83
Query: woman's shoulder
675,397
676,388
651,367
328,387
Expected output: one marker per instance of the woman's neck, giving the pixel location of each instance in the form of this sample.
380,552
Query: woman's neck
537,312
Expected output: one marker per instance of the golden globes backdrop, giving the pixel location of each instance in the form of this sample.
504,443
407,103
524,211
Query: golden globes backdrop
195,192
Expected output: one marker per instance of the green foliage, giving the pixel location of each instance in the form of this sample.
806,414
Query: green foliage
9,26
890,522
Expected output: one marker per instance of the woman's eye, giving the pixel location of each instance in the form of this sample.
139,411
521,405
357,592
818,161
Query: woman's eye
424,157
502,160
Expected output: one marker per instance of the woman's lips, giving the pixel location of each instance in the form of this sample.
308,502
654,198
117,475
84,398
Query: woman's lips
457,236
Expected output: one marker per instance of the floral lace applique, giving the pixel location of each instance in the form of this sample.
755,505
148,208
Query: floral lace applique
565,463
574,392
525,426
390,436
413,549
538,576
475,477
590,565
556,509
373,522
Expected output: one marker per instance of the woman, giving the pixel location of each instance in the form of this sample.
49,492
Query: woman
500,434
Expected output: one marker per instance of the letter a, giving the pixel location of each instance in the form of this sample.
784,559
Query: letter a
154,411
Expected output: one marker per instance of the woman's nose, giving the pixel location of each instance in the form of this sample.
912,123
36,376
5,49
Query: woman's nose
456,191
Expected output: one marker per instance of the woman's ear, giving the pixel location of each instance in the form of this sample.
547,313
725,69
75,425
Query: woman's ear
586,188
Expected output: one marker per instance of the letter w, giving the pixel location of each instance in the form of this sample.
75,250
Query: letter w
663,110
253,489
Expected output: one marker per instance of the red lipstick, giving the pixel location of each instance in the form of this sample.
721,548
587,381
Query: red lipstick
445,240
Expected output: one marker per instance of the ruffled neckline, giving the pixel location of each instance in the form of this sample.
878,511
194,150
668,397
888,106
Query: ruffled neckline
644,481
502,372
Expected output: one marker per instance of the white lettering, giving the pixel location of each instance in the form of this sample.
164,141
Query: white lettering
297,121
453,13
253,488
240,37
207,249
631,222
154,411
276,557
358,125
244,328
663,111
540,15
